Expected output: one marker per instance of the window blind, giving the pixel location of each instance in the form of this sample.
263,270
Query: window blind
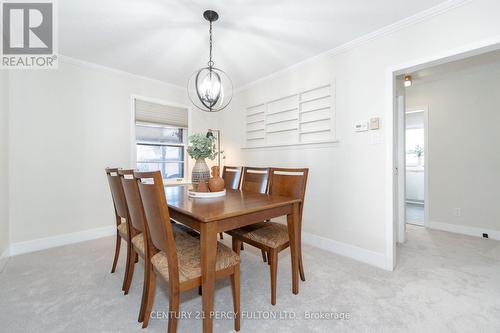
149,112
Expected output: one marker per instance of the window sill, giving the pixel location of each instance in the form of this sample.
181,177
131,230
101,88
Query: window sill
169,182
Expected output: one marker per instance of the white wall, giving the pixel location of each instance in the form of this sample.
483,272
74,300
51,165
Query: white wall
464,162
346,200
66,126
4,166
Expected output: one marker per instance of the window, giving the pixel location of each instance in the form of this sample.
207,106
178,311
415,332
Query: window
161,148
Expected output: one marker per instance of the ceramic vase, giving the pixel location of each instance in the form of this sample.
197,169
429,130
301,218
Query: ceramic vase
200,171
216,183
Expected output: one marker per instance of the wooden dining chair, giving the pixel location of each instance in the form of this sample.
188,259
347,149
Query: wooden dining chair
232,181
255,180
232,177
270,236
140,231
175,257
122,222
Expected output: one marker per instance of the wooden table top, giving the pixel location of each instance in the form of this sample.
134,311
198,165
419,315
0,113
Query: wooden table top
234,203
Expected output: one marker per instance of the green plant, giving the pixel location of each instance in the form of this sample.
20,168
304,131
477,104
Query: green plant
201,147
419,151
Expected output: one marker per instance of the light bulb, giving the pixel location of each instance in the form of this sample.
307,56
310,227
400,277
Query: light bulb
209,88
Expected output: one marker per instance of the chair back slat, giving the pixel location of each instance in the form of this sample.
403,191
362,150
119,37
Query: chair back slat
255,179
289,183
117,193
157,216
232,177
133,198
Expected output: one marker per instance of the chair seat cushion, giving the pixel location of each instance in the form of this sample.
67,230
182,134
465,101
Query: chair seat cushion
123,230
188,255
139,245
270,234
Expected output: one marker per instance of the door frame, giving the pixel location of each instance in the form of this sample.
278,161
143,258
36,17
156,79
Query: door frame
391,134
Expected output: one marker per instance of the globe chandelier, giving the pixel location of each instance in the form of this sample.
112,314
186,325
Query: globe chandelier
209,88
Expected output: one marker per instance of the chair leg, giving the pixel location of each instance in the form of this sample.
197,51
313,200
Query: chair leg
145,289
130,270
235,286
173,310
127,266
264,257
221,235
117,251
273,261
301,266
150,297
237,245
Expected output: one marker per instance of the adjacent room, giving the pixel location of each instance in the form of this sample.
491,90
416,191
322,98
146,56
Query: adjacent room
259,166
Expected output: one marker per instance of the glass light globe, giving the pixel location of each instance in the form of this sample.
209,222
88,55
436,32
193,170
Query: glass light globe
210,89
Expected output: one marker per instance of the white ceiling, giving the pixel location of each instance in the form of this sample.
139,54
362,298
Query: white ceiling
168,39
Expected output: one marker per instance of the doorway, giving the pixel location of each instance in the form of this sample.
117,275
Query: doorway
416,158
396,153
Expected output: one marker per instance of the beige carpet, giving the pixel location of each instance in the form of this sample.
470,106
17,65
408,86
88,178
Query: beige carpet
444,283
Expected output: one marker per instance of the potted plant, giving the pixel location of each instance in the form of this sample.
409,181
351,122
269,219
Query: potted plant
201,147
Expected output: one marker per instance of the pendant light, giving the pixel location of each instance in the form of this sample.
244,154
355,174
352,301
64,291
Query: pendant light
209,88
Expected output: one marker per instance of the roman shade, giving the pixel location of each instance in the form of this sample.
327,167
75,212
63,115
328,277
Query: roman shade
148,112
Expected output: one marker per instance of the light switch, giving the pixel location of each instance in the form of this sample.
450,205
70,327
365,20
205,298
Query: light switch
375,123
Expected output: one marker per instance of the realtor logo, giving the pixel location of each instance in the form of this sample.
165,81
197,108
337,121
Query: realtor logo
28,38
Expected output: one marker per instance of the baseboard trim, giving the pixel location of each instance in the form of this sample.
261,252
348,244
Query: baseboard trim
354,252
3,259
60,240
460,229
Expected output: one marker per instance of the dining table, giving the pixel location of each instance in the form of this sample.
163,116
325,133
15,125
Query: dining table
236,209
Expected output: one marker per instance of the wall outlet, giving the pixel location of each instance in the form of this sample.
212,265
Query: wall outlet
457,212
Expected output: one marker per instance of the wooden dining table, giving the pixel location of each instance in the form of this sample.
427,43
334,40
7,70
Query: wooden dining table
210,216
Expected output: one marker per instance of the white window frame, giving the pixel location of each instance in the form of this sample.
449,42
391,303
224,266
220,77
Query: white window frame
183,145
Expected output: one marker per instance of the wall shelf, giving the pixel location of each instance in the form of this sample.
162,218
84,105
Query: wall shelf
310,112
281,121
315,131
283,130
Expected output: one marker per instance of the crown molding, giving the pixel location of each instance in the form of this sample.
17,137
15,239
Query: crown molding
387,30
94,66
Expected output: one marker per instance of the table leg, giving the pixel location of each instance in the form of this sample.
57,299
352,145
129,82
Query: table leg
293,235
208,253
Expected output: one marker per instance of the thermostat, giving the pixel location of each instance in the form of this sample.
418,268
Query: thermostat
361,127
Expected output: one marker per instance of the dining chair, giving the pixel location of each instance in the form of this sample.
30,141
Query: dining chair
140,231
272,237
232,181
122,222
175,257
232,177
255,180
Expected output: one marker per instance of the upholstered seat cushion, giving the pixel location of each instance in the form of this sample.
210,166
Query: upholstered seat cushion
270,234
123,230
188,255
139,244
